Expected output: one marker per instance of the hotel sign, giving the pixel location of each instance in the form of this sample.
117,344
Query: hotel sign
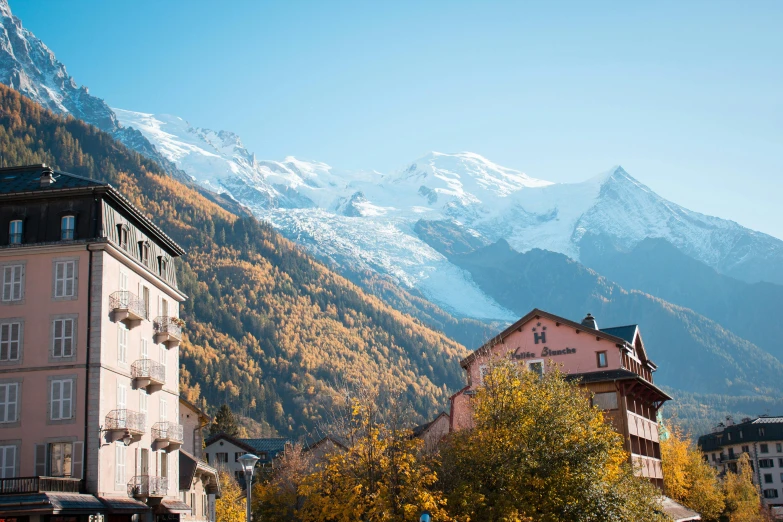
540,337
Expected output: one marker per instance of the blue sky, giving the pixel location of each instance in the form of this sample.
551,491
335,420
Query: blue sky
687,96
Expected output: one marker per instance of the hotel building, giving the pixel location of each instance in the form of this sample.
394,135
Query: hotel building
762,440
611,363
89,362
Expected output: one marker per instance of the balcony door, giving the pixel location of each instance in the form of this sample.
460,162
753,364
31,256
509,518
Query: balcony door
144,462
145,294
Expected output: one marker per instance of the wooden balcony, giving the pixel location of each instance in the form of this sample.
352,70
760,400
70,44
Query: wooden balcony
168,330
148,486
120,423
148,374
167,436
128,308
22,485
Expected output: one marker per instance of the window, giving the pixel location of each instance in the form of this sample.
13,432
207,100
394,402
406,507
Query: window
164,464
779,447
9,402
162,264
536,366
483,371
143,402
122,396
10,341
731,453
192,503
713,457
770,493
162,357
767,478
745,449
65,279
766,463
122,236
145,296
13,282
62,337
60,459
163,411
144,252
61,399
221,458
728,437
145,349
606,401
761,432
7,461
122,344
601,357
15,230
741,435
119,463
237,455
764,448
780,463
67,226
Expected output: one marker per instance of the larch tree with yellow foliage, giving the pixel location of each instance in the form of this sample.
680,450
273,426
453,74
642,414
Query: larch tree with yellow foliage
540,452
229,507
381,477
743,503
688,479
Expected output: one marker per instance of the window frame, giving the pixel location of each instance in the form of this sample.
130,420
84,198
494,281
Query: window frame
598,359
51,455
64,220
4,460
120,461
7,345
60,282
616,401
18,235
123,236
532,362
64,320
122,344
60,383
6,403
13,285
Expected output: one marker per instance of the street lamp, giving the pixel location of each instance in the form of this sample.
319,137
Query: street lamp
425,517
248,461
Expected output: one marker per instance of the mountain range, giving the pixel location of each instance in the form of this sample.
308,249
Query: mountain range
466,245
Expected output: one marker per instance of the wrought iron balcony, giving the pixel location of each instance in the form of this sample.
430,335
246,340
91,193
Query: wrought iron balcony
167,435
21,485
148,374
128,308
168,330
146,486
120,423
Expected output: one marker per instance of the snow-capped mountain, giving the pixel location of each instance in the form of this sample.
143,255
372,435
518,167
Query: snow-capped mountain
368,219
30,67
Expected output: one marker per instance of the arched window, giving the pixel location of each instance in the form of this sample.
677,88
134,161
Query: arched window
15,230
67,227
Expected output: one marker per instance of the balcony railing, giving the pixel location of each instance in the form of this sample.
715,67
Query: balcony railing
147,372
168,330
128,307
20,485
167,435
145,486
120,420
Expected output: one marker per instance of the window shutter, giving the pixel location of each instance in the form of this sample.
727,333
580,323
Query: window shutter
40,460
77,462
59,279
3,402
15,337
8,283
9,462
68,337
57,350
67,399
56,401
13,390
70,277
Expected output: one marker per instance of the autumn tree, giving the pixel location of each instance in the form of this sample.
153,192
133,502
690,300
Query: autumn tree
743,503
279,498
688,479
230,507
225,422
539,451
380,477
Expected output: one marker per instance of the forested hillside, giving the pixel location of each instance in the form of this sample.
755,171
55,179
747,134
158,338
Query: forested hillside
269,330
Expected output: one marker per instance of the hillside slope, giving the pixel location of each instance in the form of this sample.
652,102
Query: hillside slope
269,330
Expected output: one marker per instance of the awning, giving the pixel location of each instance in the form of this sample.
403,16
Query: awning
678,512
50,503
173,507
124,505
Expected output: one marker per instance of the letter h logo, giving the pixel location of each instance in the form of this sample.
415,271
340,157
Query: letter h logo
540,337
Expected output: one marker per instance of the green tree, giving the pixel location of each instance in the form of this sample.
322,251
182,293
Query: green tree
688,479
225,422
539,451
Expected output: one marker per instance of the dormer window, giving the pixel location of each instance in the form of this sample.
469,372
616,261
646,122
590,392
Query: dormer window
122,236
15,232
67,228
144,252
163,264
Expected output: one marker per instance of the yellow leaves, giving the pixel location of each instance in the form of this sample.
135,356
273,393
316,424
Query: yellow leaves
229,507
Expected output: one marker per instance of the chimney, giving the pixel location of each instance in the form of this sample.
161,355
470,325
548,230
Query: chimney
47,176
589,322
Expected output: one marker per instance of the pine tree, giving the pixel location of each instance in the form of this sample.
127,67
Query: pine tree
225,422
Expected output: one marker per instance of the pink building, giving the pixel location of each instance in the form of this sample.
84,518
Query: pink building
89,362
611,363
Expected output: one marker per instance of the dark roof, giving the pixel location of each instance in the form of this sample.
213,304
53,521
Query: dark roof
270,446
626,333
751,432
614,375
25,181
125,505
195,408
313,441
55,503
173,506
677,512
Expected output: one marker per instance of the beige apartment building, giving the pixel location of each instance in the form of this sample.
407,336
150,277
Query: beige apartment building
89,362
